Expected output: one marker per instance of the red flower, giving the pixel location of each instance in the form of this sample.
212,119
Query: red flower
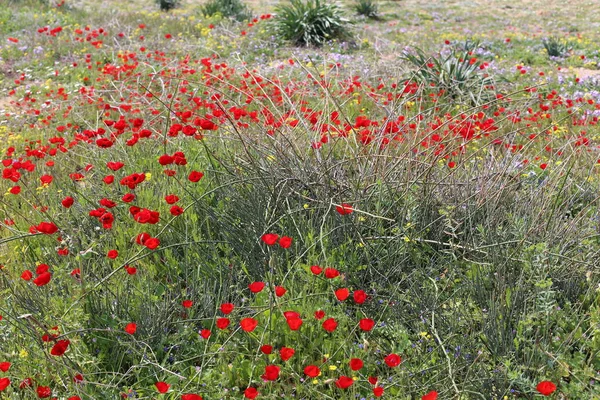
195,176
366,324
270,238
433,395
205,333
130,270
248,324
330,325
356,364
344,209
393,360
67,202
112,254
271,373
266,349
60,347
114,165
280,291
331,273
44,392
373,380
27,275
312,371
47,228
546,388
176,210
26,383
187,303
344,382
222,323
171,199
286,353
256,287
294,323
359,296
315,269
162,387
152,243
4,383
190,396
131,328
74,398
342,294
78,378
227,308
4,366
285,242
319,314
250,393
43,279
378,391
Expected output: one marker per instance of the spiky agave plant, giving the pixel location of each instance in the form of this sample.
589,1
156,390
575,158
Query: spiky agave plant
310,22
457,74
235,9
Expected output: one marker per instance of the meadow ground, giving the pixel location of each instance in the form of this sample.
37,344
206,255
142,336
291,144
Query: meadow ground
193,208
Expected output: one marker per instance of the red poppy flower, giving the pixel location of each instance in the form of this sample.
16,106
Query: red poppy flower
60,347
315,269
330,325
112,254
40,269
195,176
43,279
312,371
344,382
250,393
130,270
114,165
433,395
26,383
78,378
74,398
344,209
152,243
131,328
15,190
271,373
294,323
546,388
44,392
372,380
190,396
280,291
67,202
171,199
266,349
286,353
248,324
378,391
187,303
222,323
331,273
285,242
4,366
359,296
4,383
342,294
270,238
356,364
27,275
393,360
162,387
227,308
256,287
128,197
205,333
366,324
176,211
47,228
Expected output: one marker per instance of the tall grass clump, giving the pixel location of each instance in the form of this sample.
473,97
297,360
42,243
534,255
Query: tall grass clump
367,8
235,9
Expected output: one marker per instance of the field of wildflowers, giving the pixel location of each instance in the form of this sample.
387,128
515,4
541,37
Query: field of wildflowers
196,206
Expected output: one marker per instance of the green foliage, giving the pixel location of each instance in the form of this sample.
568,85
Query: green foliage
235,9
166,5
457,74
367,8
310,22
556,47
